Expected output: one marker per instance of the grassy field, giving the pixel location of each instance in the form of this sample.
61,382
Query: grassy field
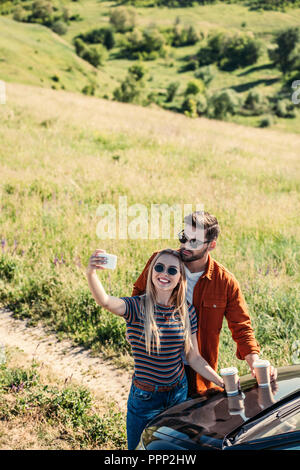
63,154
40,411
34,55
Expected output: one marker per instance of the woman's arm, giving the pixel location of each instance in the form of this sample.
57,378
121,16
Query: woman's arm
199,364
113,304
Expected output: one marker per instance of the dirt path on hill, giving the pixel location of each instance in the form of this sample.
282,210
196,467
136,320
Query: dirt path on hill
66,360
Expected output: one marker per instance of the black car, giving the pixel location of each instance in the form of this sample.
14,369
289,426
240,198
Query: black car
257,418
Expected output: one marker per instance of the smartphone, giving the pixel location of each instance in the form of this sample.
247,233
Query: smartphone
111,260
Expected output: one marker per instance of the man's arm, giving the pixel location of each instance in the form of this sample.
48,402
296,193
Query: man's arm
239,323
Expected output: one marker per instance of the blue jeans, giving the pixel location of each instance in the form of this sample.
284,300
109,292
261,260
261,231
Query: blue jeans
143,406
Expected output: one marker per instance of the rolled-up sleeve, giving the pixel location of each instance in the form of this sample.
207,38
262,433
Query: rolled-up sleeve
239,321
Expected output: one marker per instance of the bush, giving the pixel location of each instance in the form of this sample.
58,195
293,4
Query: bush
189,107
279,5
229,50
103,36
89,89
194,87
123,19
20,14
192,64
41,12
211,51
282,55
255,102
147,44
137,72
201,105
240,50
186,36
267,121
153,40
223,103
59,28
284,108
206,74
130,89
8,267
171,91
95,55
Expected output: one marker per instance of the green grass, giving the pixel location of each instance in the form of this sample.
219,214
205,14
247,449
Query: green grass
46,414
33,54
55,175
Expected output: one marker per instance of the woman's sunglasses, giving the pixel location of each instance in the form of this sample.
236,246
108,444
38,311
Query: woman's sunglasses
159,268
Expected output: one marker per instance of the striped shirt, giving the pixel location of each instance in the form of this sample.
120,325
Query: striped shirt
165,367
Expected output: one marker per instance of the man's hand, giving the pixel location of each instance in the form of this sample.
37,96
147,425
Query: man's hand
251,358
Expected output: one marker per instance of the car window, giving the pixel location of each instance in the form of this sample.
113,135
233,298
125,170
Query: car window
283,426
283,420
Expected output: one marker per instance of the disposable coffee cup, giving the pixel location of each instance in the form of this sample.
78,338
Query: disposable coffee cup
236,404
231,380
110,260
265,397
262,372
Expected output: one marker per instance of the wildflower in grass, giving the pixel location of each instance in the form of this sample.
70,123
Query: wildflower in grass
17,388
267,271
3,243
55,261
15,247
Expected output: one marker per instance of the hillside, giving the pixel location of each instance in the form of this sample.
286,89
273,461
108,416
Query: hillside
33,54
63,155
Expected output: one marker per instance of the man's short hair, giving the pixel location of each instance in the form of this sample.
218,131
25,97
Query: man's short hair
204,220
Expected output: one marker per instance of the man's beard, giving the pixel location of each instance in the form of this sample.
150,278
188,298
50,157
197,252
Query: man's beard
191,257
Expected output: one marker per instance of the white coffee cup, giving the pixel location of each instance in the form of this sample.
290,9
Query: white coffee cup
110,260
262,372
231,380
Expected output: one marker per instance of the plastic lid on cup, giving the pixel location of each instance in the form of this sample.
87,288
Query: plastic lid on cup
261,363
228,371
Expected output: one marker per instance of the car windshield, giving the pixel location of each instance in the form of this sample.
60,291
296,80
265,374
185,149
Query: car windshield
281,420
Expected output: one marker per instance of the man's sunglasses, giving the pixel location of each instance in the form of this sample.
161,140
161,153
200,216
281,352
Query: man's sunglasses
194,243
160,268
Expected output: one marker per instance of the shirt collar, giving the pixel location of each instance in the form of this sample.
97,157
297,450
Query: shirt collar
209,268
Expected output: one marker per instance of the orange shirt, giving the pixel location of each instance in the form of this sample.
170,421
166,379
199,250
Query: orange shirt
216,294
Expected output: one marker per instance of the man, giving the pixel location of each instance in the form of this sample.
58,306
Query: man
215,293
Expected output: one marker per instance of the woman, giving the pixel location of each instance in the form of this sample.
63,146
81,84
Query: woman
160,327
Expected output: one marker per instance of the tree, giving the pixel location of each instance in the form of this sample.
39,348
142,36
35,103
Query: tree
223,103
229,50
41,12
282,55
59,27
240,50
123,19
171,91
194,87
206,74
93,54
130,89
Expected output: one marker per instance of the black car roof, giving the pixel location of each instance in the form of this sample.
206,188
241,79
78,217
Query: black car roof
212,417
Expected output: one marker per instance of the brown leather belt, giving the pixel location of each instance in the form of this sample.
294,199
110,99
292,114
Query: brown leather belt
161,388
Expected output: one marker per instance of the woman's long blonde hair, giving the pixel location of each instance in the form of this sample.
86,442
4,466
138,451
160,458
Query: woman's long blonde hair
178,298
